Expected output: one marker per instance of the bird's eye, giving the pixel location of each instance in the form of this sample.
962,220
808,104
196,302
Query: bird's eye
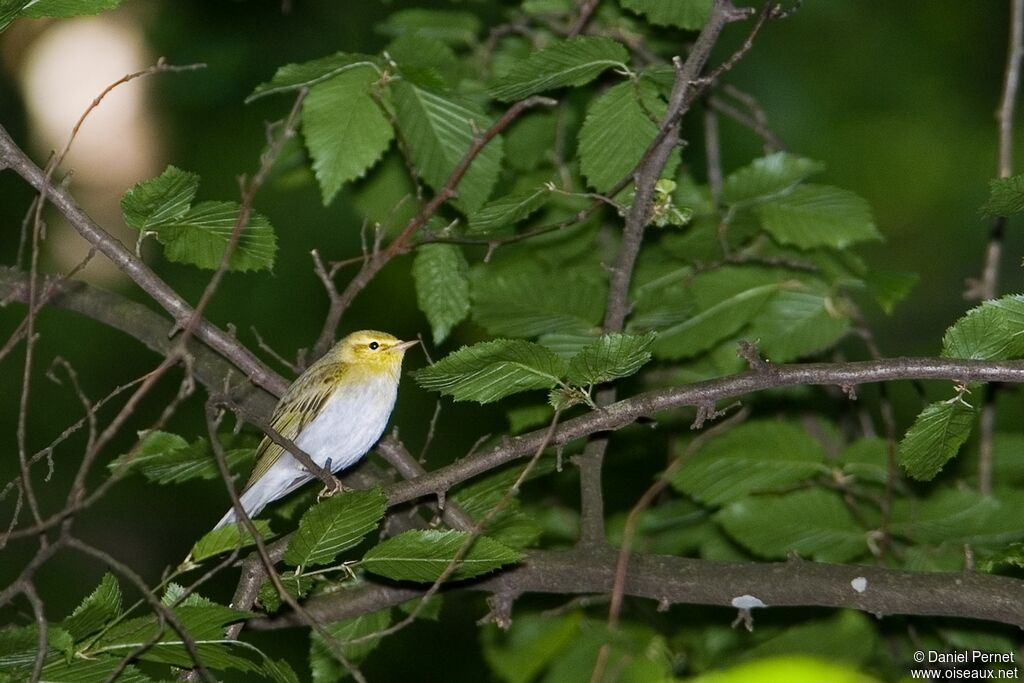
374,346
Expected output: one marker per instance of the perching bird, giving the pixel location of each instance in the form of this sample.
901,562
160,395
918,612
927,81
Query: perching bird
335,411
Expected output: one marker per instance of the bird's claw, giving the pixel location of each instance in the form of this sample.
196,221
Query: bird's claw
331,489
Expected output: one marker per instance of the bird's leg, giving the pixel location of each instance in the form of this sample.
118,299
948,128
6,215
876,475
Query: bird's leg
335,487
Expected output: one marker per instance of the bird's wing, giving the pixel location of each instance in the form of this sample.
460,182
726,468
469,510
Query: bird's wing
299,406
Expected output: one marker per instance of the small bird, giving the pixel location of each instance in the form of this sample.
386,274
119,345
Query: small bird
335,412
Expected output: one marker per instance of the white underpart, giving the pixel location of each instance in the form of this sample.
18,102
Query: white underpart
348,426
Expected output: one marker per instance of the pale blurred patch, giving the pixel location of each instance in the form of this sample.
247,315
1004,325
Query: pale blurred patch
62,70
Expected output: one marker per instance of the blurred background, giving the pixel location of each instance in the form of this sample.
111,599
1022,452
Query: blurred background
898,102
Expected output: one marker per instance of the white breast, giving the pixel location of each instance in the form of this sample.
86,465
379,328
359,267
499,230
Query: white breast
350,423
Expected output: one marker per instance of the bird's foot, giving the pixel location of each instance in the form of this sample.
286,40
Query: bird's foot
333,488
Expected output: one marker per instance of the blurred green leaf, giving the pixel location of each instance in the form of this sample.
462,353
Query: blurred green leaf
935,437
849,637
441,275
425,61
450,26
1006,196
866,460
324,665
528,417
67,8
572,62
958,516
508,210
768,176
814,523
228,538
100,607
422,555
439,131
529,646
201,236
334,525
688,14
162,199
755,456
889,287
818,215
490,371
798,323
610,357
345,130
792,669
307,74
620,125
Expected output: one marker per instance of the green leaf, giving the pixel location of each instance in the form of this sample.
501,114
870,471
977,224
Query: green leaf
958,516
439,131
425,61
160,200
166,458
992,331
324,666
790,669
610,357
768,176
727,299
201,236
101,606
297,585
755,456
449,26
516,300
491,370
849,636
479,498
307,74
10,10
688,14
818,215
422,555
68,8
534,641
798,323
619,126
866,460
1006,196
890,287
528,417
935,437
441,275
564,63
345,130
814,523
95,670
228,538
507,210
335,525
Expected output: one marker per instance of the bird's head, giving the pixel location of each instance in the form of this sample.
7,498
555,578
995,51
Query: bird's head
372,350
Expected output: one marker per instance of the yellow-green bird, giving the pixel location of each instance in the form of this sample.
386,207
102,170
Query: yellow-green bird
335,411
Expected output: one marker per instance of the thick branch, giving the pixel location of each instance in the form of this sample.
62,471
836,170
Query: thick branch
14,158
675,580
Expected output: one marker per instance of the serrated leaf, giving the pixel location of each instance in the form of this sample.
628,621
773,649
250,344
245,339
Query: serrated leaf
166,458
767,176
610,357
818,215
814,523
425,61
335,525
441,275
491,370
507,210
516,300
564,63
422,555
324,666
345,130
798,323
619,126
450,26
68,8
688,14
756,456
159,200
439,132
101,606
992,331
1006,196
307,74
296,585
935,437
96,670
228,538
201,236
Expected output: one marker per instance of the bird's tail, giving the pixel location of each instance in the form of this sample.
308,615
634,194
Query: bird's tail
267,489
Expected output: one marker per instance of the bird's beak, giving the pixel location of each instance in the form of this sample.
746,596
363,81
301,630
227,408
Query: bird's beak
402,346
